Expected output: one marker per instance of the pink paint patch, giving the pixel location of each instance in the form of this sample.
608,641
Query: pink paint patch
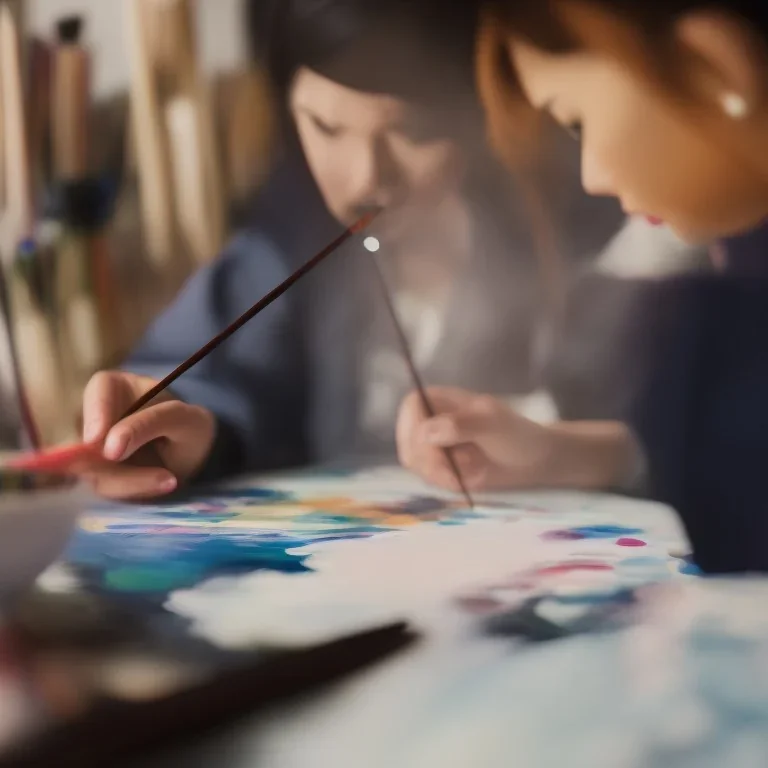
625,542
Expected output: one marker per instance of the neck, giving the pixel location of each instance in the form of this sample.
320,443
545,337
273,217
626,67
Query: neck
429,261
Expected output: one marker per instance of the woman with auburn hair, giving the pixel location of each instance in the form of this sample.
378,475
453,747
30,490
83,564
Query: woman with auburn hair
670,103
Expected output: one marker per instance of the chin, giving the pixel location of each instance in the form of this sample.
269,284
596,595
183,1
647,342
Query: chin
699,233
693,237
706,230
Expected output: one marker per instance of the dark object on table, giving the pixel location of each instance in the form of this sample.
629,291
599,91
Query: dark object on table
526,622
111,730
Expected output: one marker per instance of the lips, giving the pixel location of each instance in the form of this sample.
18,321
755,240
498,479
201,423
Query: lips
654,221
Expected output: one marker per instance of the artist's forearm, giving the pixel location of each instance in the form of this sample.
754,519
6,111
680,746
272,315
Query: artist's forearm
592,455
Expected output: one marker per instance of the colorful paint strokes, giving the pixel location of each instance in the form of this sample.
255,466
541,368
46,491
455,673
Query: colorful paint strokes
297,558
686,686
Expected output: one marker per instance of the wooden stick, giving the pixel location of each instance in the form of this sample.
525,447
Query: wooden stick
18,182
275,293
70,103
150,143
186,104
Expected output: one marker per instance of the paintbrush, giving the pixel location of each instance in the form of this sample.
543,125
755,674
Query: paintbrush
405,349
67,458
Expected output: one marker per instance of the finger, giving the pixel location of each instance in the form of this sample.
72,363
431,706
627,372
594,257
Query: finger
448,398
465,465
410,415
127,482
104,399
172,420
480,423
435,466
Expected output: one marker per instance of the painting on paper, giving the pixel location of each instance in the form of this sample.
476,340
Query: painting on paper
300,558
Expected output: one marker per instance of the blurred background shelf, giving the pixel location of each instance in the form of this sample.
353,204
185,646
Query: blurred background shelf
176,122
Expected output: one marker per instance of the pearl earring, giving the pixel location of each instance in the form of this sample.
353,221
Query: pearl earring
734,105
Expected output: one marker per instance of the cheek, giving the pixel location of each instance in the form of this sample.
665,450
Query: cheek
323,159
671,170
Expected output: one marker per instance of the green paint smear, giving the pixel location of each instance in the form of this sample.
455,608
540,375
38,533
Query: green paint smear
151,579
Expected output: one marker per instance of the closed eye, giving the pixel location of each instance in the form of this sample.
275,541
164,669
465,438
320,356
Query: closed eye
325,128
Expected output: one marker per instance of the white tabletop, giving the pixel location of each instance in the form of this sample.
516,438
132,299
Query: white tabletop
687,685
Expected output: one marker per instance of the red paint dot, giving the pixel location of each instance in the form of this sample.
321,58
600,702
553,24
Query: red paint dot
631,543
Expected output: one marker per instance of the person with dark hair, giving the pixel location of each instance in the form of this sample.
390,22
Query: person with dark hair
670,101
379,109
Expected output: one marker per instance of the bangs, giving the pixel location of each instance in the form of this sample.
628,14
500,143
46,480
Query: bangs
514,128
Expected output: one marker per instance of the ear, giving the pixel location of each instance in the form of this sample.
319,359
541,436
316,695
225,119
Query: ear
727,62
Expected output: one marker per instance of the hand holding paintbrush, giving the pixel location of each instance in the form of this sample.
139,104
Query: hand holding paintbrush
181,435
186,433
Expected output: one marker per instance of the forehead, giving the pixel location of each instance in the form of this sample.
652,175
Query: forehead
541,74
338,103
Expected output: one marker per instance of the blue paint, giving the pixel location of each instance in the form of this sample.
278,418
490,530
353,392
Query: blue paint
254,495
691,569
605,531
468,514
126,563
160,548
644,562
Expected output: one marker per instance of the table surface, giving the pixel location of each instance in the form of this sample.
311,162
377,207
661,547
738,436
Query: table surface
461,696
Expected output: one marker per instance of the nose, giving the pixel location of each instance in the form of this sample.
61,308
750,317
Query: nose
373,176
595,177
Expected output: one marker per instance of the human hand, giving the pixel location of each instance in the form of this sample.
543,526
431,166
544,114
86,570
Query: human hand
497,448
149,453
493,446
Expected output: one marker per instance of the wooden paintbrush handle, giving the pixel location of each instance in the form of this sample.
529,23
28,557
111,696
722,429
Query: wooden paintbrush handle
263,303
